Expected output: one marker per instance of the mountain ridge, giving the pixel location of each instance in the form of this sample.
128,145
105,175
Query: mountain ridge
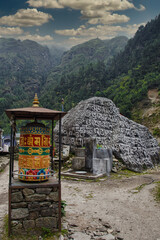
125,78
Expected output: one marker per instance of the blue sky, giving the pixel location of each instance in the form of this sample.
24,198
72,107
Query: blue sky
70,22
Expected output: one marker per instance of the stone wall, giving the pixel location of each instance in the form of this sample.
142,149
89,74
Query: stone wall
99,118
33,209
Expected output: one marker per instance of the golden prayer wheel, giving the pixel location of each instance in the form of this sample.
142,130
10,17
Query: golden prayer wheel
34,153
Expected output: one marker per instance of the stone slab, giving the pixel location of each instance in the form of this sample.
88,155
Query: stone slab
81,176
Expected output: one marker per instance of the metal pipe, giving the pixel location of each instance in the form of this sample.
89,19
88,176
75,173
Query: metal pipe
59,148
14,125
52,146
10,164
59,217
9,212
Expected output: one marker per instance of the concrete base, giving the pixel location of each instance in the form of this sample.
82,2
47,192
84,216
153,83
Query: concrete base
73,174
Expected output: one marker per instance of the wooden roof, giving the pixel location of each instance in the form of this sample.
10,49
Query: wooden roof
34,112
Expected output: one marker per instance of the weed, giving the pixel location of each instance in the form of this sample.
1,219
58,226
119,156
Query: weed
77,189
157,192
46,232
139,188
156,132
99,146
64,232
63,205
89,196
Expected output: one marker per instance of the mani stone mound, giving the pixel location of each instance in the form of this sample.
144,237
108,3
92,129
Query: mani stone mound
99,118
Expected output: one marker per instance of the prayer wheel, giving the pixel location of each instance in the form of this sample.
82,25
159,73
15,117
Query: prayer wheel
34,153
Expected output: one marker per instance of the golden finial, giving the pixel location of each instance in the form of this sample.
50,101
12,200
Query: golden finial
35,101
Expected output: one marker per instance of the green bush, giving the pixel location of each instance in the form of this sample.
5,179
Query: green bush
156,132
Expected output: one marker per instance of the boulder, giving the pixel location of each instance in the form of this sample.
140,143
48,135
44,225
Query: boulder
99,118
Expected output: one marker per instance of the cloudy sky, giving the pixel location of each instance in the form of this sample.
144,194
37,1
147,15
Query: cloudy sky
70,22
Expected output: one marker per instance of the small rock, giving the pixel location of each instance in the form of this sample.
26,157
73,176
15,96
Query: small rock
17,197
35,197
28,224
110,230
28,191
53,196
107,225
108,237
80,236
97,233
43,190
61,237
134,191
102,229
115,160
114,169
120,238
19,205
17,228
19,213
65,225
47,222
73,225
40,238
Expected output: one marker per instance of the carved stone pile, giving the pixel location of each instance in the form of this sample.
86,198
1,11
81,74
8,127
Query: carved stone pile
99,118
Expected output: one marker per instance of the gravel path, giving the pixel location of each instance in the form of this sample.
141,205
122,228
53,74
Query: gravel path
132,215
4,177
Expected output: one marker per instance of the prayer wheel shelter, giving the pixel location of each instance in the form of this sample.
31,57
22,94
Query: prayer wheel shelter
35,195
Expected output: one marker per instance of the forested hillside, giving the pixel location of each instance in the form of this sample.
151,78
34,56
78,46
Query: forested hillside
125,80
23,70
120,70
136,70
27,67
24,67
80,71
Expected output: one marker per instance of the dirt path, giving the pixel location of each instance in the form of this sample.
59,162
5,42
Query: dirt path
4,177
135,215
132,215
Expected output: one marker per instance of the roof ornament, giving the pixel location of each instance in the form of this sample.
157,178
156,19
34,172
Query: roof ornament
35,101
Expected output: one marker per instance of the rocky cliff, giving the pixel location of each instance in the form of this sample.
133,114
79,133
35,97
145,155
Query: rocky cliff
99,118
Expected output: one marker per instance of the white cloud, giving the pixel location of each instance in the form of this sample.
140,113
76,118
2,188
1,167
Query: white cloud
44,3
109,5
6,31
101,31
26,18
109,19
82,33
142,8
95,11
37,38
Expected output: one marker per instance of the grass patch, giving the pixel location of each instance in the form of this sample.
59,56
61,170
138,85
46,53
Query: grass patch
89,196
156,132
139,188
64,232
157,192
125,174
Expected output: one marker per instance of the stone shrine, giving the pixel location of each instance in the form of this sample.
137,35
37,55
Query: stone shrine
99,118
